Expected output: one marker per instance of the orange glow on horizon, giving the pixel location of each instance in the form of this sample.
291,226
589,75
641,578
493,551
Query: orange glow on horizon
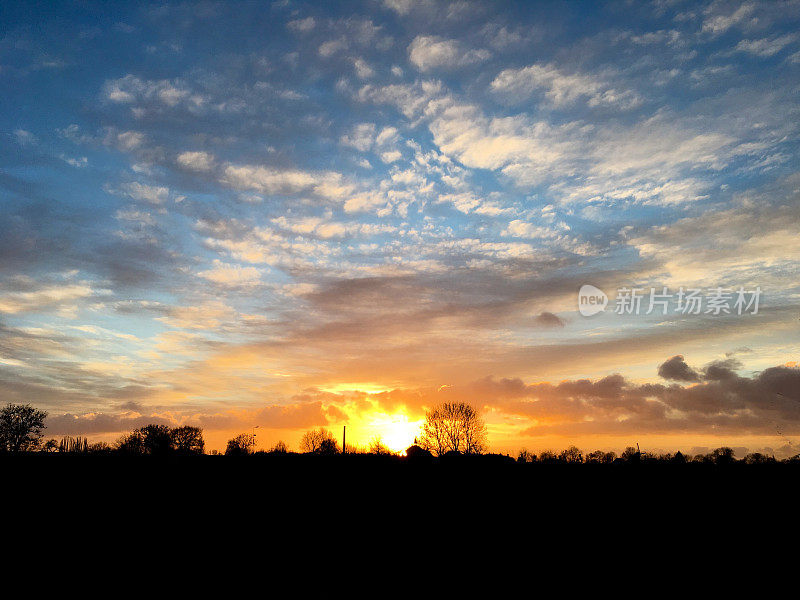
367,388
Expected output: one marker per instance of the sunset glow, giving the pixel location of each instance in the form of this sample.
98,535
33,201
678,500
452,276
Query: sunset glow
579,218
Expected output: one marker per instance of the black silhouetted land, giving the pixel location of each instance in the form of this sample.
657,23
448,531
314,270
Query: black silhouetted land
448,466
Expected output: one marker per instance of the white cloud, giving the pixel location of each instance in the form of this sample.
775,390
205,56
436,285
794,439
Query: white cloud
17,302
561,89
363,69
524,229
766,47
326,229
719,23
24,138
739,246
129,140
388,135
331,47
432,52
401,7
196,161
147,193
149,94
391,156
361,137
303,25
78,163
232,275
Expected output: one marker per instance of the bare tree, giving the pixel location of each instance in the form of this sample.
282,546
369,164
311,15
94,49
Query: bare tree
378,447
21,427
319,441
241,444
280,447
453,427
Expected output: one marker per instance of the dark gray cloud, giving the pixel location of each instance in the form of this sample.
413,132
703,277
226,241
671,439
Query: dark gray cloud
548,319
676,369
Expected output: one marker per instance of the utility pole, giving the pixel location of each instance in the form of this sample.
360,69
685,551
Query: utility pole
344,439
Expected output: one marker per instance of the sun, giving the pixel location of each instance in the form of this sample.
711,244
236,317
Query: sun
396,431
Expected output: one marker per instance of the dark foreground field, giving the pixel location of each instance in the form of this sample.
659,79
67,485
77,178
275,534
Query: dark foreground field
388,508
372,482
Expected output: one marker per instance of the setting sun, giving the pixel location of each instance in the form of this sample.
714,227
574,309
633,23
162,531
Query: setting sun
396,431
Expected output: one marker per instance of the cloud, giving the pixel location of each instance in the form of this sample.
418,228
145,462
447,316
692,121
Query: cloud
429,53
519,228
269,180
43,298
231,275
361,137
561,89
743,246
209,315
733,405
291,416
676,369
165,93
717,23
147,193
24,137
196,161
548,320
363,69
302,25
766,47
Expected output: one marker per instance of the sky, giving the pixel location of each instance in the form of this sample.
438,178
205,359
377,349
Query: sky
297,215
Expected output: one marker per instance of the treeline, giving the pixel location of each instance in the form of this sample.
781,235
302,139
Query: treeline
450,431
573,455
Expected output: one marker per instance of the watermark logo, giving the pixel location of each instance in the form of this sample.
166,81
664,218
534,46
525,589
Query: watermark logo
684,301
591,300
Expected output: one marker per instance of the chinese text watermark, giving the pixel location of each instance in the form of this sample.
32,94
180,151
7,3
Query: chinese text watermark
663,301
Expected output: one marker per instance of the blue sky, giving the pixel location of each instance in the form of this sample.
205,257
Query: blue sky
294,215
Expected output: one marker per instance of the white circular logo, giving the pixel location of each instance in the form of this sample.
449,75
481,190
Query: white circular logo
591,300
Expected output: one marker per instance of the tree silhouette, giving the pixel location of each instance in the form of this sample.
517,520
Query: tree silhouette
756,458
319,441
21,427
156,439
130,443
453,427
631,455
70,444
547,457
378,447
598,456
571,455
188,440
280,447
240,445
723,456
